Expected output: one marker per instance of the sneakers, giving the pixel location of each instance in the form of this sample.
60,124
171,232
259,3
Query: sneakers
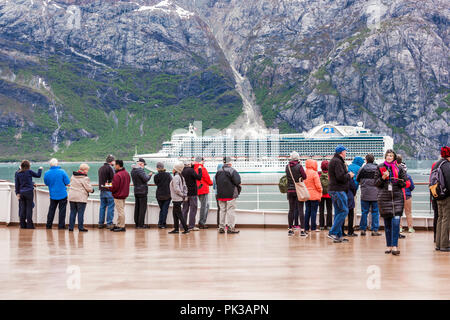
375,233
173,232
303,234
401,236
334,238
395,252
221,230
232,231
290,232
411,230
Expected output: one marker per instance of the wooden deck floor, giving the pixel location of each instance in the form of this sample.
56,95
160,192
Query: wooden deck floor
255,264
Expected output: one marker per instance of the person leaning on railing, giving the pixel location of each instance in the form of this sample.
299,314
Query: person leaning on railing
24,192
120,190
80,187
443,222
57,181
390,179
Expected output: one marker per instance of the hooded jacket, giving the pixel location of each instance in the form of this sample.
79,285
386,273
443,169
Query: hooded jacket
203,185
178,188
392,202
312,181
366,179
354,167
297,172
140,181
80,187
338,174
121,184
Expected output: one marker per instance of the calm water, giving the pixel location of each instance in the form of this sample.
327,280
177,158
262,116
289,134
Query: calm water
252,197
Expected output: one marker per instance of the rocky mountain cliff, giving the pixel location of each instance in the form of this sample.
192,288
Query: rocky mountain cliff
79,79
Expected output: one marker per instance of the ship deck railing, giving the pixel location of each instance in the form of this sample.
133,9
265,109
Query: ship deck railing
260,204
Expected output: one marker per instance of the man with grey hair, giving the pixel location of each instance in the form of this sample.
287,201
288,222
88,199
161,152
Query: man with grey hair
57,181
228,183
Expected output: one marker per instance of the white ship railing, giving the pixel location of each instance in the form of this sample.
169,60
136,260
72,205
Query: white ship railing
251,212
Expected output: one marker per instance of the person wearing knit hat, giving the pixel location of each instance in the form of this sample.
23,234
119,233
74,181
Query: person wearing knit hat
178,193
294,156
443,221
326,199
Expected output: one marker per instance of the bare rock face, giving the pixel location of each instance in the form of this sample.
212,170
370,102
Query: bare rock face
297,63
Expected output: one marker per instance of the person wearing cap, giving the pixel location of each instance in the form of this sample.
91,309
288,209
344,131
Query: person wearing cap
338,187
228,188
105,178
443,222
190,204
203,191
178,193
162,180
140,182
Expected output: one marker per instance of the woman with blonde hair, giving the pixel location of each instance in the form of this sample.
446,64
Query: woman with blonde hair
80,187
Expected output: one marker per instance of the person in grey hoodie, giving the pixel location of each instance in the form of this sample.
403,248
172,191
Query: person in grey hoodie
369,194
178,193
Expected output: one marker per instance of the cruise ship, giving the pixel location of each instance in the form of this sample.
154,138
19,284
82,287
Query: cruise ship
267,153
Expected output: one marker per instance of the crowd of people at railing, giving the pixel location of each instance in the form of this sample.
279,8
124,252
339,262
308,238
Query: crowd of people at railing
386,191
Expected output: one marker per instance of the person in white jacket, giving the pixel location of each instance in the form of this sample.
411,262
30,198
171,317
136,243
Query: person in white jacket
178,193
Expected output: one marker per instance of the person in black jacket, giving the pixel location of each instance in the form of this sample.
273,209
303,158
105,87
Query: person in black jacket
162,180
190,205
140,182
339,178
390,180
295,206
228,183
24,188
105,178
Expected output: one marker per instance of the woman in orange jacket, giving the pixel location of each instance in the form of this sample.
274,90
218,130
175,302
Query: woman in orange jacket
314,186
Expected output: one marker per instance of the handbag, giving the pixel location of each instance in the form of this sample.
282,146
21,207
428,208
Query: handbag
300,188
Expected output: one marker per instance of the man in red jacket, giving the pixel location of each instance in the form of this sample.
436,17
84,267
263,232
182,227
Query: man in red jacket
203,191
120,190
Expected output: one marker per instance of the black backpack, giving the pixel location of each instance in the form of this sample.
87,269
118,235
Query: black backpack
437,182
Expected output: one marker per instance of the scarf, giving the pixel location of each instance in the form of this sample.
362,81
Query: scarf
394,169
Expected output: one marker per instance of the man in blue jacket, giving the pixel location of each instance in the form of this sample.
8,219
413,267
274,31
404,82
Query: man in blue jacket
57,179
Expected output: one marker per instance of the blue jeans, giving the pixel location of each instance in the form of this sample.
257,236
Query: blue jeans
77,208
340,200
106,200
311,212
392,230
365,207
204,208
164,209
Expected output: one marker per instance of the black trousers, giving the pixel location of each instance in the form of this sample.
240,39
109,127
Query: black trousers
140,209
294,204
218,212
26,209
435,218
62,205
178,216
326,202
351,213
